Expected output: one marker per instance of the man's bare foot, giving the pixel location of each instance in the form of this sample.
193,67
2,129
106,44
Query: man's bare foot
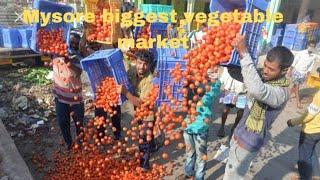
295,177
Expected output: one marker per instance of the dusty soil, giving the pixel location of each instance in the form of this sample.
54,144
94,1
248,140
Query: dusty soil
35,147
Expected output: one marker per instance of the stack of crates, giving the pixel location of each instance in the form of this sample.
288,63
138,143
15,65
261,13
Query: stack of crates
11,38
293,39
252,31
26,35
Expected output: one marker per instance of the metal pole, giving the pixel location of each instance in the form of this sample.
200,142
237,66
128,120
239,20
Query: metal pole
190,9
273,8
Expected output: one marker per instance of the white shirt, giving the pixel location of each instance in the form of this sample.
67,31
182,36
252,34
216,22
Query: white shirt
303,62
231,84
196,36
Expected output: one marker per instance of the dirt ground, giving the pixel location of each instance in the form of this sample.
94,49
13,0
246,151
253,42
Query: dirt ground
35,146
276,160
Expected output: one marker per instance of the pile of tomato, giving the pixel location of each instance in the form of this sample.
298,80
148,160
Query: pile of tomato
52,42
102,157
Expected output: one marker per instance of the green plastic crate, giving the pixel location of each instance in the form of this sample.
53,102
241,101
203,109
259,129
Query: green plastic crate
156,8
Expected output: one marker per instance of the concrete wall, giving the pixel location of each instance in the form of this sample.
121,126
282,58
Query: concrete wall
7,12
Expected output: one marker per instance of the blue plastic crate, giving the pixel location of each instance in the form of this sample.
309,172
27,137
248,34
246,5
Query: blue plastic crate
279,32
299,47
316,35
155,54
51,7
158,29
252,31
11,38
164,67
291,27
279,29
1,38
295,41
26,35
291,33
155,28
295,46
177,53
106,63
276,40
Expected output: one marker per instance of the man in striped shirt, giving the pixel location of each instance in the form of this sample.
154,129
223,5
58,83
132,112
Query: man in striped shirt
67,90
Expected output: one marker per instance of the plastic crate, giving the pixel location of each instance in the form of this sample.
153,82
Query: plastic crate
156,28
299,47
92,6
106,63
155,8
155,54
51,7
163,53
1,38
276,40
295,41
291,27
316,35
164,67
252,31
279,32
279,29
313,81
295,47
26,35
11,38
